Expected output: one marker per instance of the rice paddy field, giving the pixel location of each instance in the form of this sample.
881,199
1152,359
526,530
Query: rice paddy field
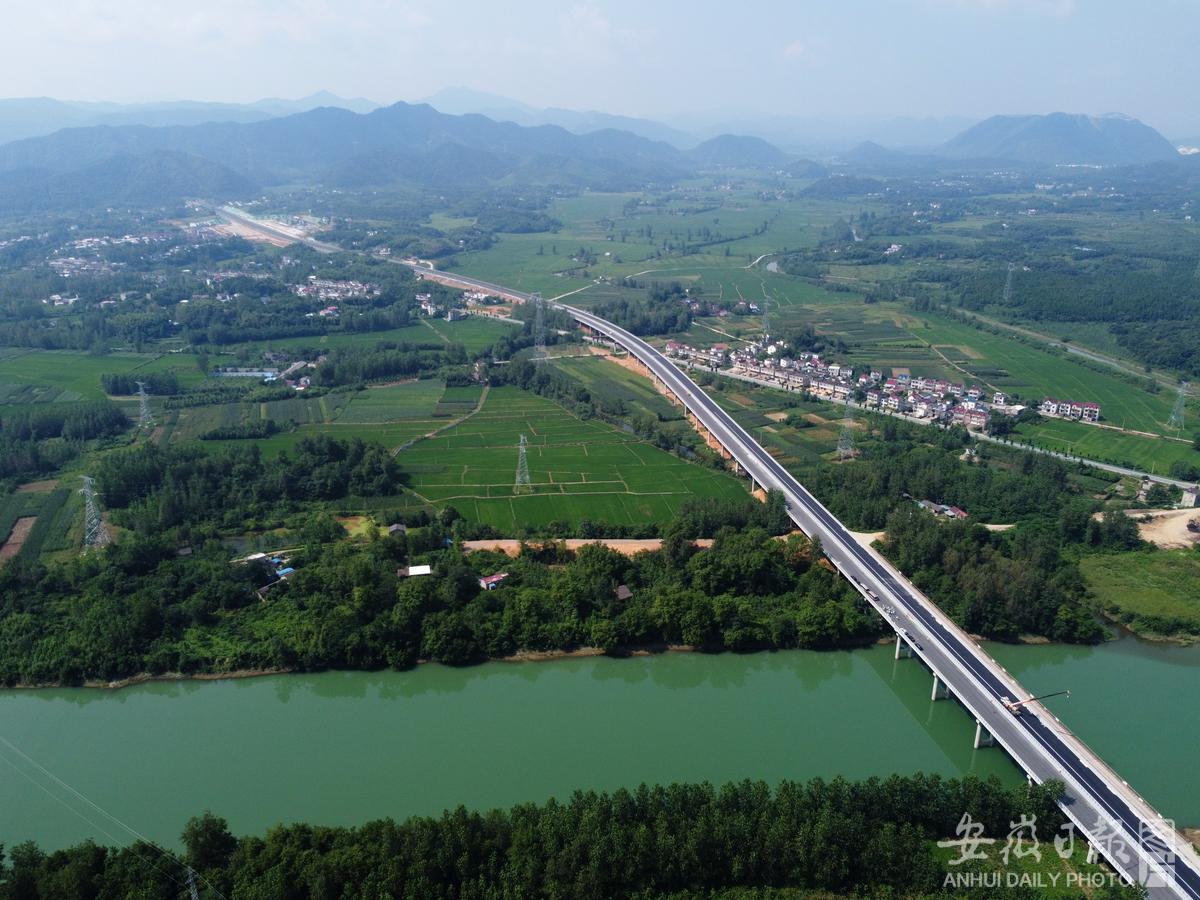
578,469
390,415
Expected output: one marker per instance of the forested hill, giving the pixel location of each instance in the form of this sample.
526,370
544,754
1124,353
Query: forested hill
1062,139
309,145
157,178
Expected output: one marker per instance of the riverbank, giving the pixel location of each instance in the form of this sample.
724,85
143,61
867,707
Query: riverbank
521,656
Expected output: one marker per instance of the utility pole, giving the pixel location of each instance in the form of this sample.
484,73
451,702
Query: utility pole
145,418
523,484
95,534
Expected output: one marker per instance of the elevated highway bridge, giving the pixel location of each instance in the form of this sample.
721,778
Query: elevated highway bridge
1118,824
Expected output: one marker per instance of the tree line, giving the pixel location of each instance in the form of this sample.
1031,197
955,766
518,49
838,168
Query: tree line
873,838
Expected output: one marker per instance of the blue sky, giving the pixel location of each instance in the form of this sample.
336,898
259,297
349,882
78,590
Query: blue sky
639,57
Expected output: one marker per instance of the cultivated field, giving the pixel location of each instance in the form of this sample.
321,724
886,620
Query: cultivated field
578,469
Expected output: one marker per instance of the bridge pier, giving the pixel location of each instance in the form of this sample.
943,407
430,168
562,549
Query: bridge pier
983,737
902,649
1093,853
940,688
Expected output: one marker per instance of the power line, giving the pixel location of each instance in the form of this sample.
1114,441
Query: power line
169,857
523,484
95,534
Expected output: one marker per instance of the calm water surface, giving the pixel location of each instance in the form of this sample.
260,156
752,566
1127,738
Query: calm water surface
346,747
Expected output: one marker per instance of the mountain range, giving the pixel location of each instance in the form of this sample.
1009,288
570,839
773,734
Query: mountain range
414,146
25,117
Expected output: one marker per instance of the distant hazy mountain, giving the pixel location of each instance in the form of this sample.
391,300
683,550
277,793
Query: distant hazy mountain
1062,138
399,144
158,178
739,150
461,101
826,136
34,116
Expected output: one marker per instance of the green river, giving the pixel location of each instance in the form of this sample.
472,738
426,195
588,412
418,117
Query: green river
346,747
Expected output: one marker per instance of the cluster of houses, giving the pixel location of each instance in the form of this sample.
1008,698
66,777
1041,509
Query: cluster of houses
924,398
1070,409
72,266
429,308
326,289
942,509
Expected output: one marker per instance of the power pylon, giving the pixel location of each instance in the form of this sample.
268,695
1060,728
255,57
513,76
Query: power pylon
523,484
1176,420
845,448
1008,280
766,322
95,534
539,324
145,417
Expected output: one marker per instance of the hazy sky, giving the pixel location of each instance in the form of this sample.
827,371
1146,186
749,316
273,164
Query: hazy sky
640,57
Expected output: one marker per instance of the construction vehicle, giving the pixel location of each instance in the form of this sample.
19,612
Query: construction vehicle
1014,706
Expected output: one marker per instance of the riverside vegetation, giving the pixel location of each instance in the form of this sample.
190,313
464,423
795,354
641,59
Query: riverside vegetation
873,838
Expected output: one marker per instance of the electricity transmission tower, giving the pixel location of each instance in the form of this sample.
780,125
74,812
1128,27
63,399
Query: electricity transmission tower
95,535
523,484
845,448
766,322
145,417
539,324
193,893
1008,280
1176,421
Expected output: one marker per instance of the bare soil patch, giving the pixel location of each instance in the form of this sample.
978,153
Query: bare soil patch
38,487
1167,528
626,546
17,538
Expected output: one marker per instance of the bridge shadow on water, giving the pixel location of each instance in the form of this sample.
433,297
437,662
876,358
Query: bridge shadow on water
946,720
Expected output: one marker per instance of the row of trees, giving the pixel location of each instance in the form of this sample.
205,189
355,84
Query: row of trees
872,838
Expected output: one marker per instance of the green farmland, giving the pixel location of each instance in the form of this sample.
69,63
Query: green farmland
578,469
44,376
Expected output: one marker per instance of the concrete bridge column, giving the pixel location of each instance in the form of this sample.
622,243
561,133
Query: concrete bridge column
902,649
940,688
1093,853
983,737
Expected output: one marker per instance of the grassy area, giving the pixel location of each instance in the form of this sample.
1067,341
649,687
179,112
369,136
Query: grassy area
1148,454
579,469
412,400
42,376
475,333
1154,592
